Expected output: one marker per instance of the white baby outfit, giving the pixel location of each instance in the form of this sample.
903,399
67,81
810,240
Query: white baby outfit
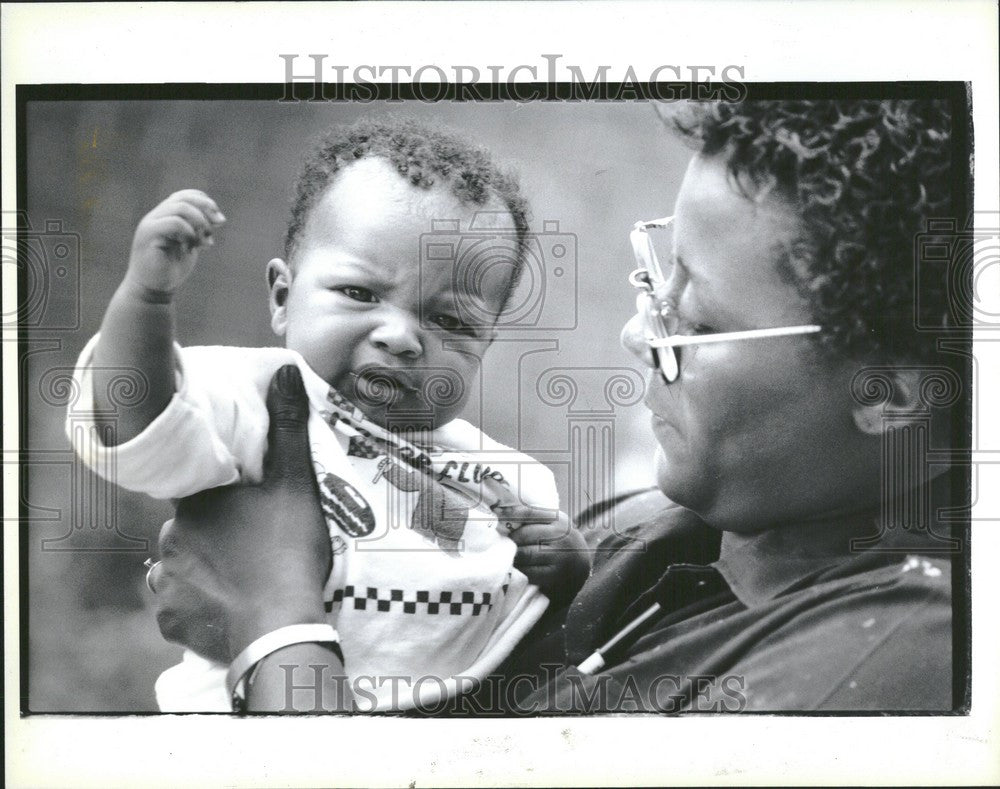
423,590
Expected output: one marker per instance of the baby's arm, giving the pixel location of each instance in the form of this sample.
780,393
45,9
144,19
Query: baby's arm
138,329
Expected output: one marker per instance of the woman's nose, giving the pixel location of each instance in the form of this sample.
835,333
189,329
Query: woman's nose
398,334
633,339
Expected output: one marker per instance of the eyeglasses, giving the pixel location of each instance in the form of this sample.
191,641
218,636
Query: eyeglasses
660,316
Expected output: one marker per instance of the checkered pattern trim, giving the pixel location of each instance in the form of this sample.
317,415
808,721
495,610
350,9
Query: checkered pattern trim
400,601
361,447
341,402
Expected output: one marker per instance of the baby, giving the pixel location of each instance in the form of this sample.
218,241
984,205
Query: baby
423,591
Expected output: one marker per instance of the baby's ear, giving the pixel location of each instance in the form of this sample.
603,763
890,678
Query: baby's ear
279,279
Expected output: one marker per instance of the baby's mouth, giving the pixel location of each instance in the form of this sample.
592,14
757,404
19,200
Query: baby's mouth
383,386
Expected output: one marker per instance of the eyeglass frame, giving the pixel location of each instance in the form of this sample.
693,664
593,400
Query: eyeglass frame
662,347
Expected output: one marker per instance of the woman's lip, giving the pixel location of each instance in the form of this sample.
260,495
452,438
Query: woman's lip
659,422
653,400
651,406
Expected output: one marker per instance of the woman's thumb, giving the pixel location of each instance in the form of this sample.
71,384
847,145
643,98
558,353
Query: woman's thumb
288,437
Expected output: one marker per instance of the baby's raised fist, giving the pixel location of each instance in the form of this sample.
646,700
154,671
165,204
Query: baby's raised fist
167,240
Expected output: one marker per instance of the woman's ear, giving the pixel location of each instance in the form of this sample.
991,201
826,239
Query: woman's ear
279,280
895,391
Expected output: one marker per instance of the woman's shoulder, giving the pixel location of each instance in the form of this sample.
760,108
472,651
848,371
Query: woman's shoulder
647,521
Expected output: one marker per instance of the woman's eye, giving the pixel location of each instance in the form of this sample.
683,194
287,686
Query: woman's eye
693,327
356,293
690,328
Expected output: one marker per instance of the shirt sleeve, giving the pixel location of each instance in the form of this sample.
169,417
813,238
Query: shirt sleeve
213,431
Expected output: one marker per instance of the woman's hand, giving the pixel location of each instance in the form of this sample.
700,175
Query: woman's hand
239,562
551,551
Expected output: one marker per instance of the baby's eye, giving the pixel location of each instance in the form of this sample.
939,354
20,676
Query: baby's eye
453,324
357,293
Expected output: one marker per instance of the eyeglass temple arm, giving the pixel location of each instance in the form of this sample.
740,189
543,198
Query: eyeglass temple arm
679,340
653,224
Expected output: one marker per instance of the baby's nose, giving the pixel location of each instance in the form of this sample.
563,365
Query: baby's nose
398,334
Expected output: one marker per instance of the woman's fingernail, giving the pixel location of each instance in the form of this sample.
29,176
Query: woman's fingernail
289,380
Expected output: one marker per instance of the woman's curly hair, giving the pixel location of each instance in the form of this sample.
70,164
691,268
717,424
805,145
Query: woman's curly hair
863,177
424,156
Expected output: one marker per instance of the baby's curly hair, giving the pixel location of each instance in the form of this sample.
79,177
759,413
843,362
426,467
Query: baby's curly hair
863,177
425,157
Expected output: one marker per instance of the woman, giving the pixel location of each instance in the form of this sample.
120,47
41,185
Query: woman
792,567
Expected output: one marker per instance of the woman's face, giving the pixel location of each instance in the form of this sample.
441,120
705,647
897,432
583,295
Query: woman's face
754,432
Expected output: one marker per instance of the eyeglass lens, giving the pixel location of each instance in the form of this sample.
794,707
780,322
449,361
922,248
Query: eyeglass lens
654,253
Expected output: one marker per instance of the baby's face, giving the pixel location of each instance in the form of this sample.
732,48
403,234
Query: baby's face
396,334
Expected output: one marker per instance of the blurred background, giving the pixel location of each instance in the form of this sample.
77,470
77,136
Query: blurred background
560,388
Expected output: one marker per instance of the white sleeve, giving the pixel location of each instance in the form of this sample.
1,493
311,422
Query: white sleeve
213,431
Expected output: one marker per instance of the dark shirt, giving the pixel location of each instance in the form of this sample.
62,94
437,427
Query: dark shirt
789,619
